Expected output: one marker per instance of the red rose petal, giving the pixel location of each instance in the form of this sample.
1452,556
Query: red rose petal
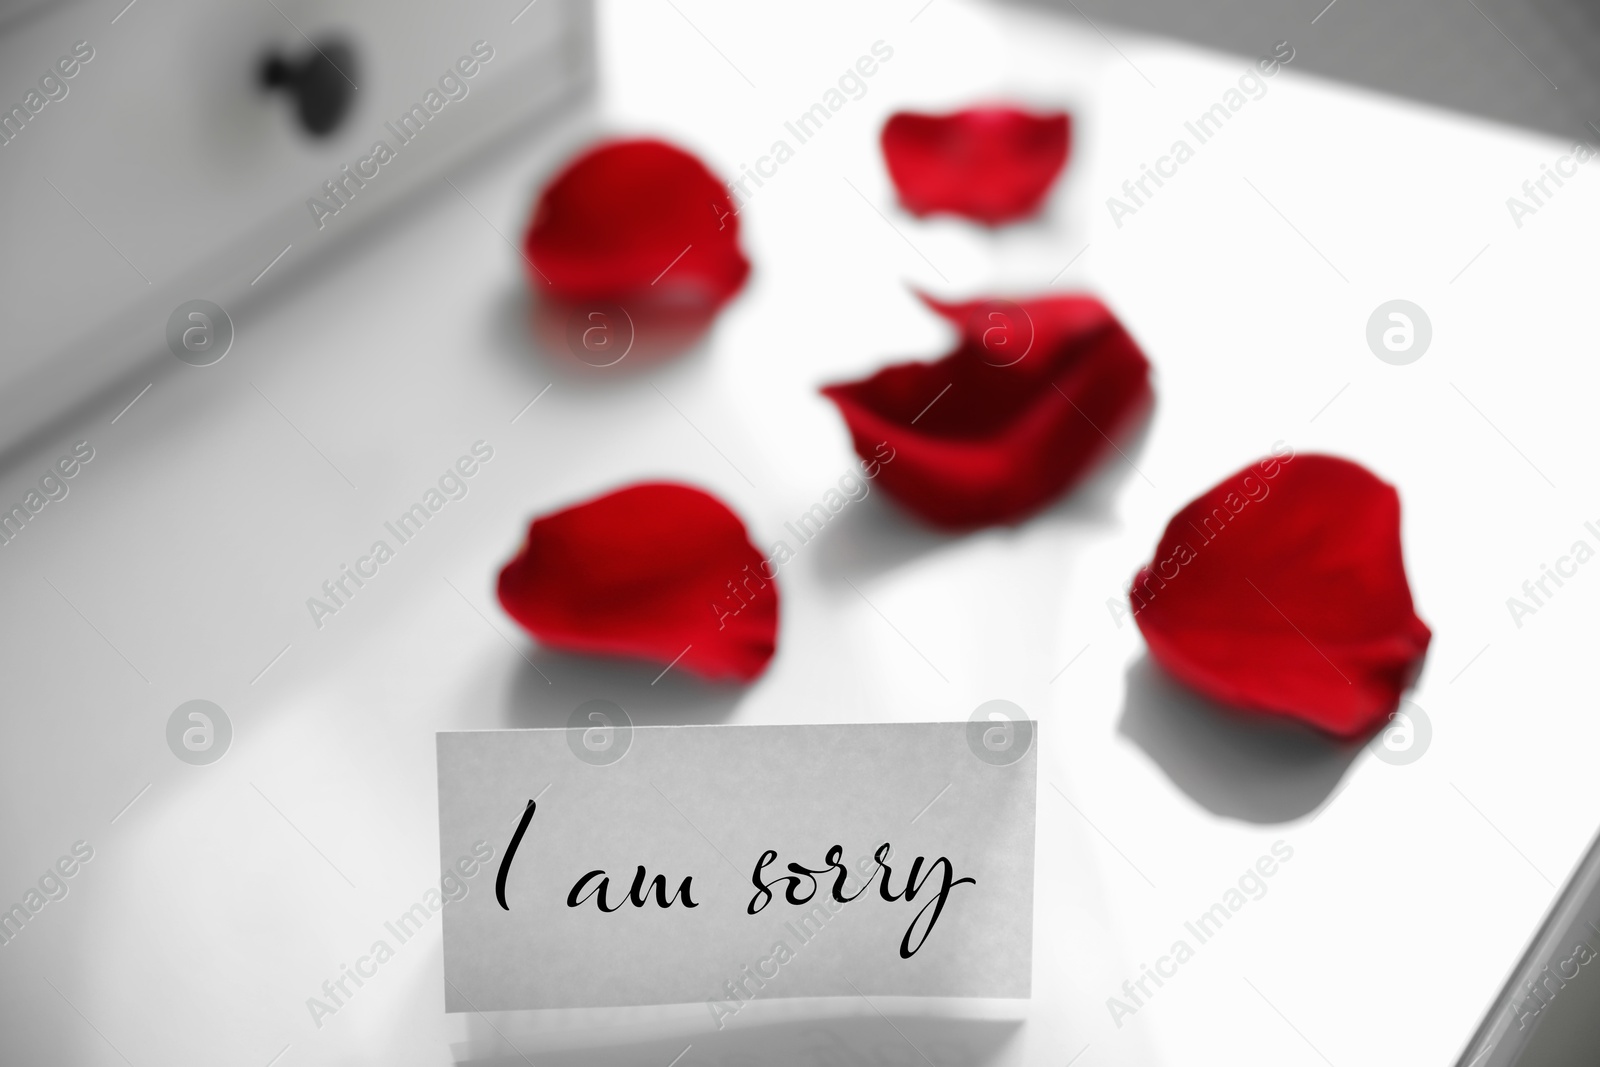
639,221
1282,590
990,164
647,572
1011,419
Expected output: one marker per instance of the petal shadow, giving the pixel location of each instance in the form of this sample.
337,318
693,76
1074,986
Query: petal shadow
819,1041
599,342
546,690
1251,767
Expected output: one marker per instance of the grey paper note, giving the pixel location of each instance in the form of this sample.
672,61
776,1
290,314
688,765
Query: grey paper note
729,809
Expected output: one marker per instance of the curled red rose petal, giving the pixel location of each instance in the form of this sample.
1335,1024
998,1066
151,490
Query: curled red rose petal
655,571
1035,393
992,164
1282,590
636,221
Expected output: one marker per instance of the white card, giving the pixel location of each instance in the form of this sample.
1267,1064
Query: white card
929,827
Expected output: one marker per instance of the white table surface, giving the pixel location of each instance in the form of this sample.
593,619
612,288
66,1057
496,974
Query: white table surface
224,895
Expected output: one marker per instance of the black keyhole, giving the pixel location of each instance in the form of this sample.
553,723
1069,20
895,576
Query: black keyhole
322,83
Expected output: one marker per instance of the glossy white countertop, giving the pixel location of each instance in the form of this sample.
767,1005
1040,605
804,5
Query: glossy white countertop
179,564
